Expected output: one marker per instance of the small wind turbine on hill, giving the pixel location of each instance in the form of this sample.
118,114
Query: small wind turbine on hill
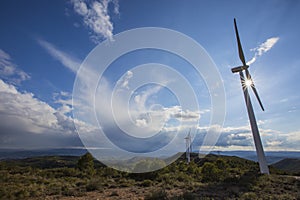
188,142
247,83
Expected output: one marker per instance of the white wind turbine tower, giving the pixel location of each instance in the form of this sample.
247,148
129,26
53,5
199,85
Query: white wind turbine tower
247,83
188,143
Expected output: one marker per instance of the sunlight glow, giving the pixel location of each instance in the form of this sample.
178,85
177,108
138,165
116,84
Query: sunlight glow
248,82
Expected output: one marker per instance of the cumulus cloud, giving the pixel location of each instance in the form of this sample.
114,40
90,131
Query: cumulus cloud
9,70
65,109
240,138
65,100
186,115
166,119
34,115
25,118
263,48
138,114
96,17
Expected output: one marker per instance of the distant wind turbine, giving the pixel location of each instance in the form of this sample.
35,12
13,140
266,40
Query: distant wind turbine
188,143
248,82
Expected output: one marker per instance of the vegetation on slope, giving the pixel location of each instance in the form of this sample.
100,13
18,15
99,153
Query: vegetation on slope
212,177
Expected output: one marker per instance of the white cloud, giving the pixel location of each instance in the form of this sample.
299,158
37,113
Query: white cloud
116,6
64,109
141,122
273,143
87,77
65,94
80,7
240,138
66,60
141,116
267,45
294,137
187,115
29,113
124,81
62,101
65,100
27,122
159,118
263,48
96,18
9,70
141,99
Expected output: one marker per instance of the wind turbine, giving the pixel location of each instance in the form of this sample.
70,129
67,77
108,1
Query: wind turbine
188,143
247,83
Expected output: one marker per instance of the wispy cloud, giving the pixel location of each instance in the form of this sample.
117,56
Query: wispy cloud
263,48
73,64
65,59
9,70
96,18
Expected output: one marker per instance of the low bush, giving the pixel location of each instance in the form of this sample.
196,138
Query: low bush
157,194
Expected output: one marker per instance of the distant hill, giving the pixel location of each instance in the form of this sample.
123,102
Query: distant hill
271,156
289,165
21,153
44,162
47,162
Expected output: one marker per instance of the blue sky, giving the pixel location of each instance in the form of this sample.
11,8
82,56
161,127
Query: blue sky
43,44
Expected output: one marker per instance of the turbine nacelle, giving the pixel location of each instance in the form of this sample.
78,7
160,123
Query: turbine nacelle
239,69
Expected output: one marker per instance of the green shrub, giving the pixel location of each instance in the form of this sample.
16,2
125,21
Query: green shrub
210,173
157,194
146,183
91,187
86,164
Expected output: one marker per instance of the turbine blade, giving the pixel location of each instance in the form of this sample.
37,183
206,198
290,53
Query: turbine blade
241,53
248,76
256,94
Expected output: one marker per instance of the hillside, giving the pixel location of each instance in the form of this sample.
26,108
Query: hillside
289,165
211,177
